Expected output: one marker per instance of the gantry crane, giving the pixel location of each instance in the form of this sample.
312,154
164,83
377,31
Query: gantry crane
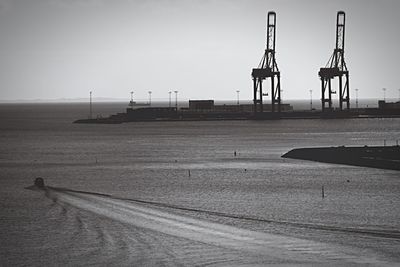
267,69
336,67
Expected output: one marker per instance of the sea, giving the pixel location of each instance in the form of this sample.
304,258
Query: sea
200,193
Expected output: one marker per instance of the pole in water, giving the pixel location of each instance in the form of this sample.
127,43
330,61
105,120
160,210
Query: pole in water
189,173
323,192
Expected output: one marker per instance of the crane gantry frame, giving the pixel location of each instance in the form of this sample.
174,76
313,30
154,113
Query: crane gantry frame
267,69
336,67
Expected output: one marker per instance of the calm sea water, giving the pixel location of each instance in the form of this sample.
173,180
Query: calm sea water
254,208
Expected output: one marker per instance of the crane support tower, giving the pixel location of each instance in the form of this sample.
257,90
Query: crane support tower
267,69
336,67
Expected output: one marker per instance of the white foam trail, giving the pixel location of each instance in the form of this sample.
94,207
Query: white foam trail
277,246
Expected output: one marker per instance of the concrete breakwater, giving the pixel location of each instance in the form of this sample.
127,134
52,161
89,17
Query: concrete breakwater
382,157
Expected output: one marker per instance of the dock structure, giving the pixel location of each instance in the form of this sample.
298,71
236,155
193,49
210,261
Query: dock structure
267,69
336,67
206,109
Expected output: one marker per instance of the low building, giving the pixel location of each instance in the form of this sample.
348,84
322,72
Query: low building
391,105
150,113
249,108
201,104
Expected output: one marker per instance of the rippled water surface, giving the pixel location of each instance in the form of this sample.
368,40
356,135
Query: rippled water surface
123,195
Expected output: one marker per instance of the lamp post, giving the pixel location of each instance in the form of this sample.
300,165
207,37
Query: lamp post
176,100
237,92
169,93
384,94
310,99
356,98
131,103
90,105
150,98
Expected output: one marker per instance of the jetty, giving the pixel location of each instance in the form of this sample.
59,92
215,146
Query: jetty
198,110
382,157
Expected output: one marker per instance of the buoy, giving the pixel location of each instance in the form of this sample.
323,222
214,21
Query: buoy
39,182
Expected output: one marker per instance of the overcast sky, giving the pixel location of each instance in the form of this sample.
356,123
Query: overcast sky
205,49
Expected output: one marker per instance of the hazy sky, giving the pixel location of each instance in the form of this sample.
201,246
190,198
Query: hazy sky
205,49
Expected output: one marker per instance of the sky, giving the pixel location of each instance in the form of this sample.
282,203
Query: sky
204,49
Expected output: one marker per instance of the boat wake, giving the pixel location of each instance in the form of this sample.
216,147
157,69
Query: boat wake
182,240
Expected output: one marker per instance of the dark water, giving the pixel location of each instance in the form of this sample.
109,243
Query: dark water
252,209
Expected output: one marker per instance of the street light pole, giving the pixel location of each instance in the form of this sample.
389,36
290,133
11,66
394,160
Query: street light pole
169,98
237,92
150,98
131,103
176,100
356,98
90,105
384,94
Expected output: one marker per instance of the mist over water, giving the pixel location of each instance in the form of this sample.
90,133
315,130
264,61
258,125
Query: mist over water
255,208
